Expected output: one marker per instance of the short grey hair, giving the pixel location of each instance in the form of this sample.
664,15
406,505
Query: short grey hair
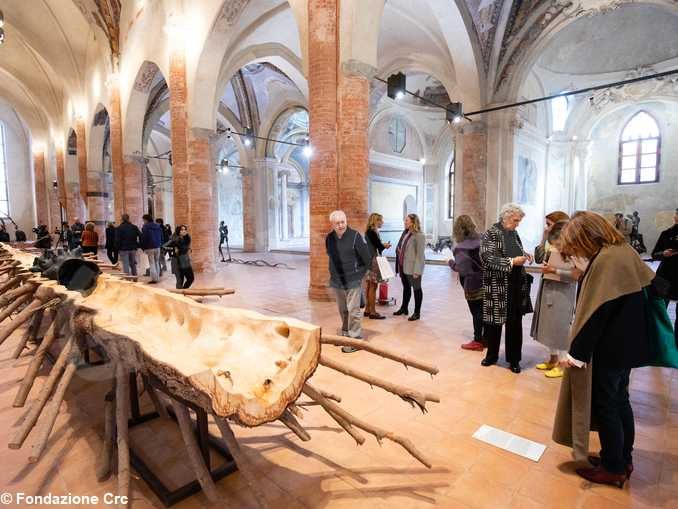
336,215
511,209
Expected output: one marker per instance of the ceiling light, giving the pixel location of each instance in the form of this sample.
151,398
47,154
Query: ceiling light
248,137
2,19
396,86
2,35
575,137
308,150
422,160
454,112
457,119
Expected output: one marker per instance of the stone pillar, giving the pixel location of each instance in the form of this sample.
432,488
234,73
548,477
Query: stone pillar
179,137
41,210
471,198
117,165
61,183
96,202
134,169
202,202
284,213
249,228
353,116
81,148
322,81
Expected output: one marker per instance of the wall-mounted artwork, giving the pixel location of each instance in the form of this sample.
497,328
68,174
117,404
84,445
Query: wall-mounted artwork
526,180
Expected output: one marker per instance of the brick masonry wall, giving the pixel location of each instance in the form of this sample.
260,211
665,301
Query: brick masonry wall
471,200
203,226
61,179
249,206
353,148
116,154
41,205
134,189
322,80
179,137
81,146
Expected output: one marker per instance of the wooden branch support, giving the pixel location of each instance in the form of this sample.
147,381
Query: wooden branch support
407,394
378,433
157,402
105,459
244,464
14,306
121,421
25,315
10,297
331,339
33,413
194,455
10,283
52,411
201,292
31,333
289,420
36,362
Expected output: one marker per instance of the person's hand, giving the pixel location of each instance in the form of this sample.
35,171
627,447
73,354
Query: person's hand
416,276
566,363
387,245
549,270
529,257
668,253
519,260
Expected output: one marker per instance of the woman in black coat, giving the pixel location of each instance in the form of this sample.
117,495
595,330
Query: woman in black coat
610,332
375,248
179,247
111,249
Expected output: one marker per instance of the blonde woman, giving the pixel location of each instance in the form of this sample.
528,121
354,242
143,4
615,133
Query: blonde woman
375,248
410,265
90,239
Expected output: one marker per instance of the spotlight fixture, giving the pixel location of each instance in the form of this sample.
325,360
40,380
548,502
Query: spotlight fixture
223,166
422,160
396,86
454,113
55,184
228,133
2,35
308,150
248,138
2,19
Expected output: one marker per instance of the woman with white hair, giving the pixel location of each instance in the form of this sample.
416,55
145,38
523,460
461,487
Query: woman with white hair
506,287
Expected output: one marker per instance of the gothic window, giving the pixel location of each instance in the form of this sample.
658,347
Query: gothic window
639,150
4,195
397,133
450,187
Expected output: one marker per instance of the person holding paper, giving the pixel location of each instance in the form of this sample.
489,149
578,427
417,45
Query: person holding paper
467,264
555,302
506,286
666,251
376,248
609,337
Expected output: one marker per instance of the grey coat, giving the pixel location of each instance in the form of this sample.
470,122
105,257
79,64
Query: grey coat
413,258
553,313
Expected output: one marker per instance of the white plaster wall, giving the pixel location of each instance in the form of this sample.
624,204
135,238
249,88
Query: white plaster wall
231,206
604,195
19,170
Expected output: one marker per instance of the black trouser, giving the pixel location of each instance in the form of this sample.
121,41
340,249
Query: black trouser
112,255
476,308
514,324
411,283
184,277
614,416
90,249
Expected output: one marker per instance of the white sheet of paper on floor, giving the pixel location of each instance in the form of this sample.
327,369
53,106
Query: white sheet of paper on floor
510,442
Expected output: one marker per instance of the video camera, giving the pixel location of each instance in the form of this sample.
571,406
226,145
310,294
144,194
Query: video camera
43,241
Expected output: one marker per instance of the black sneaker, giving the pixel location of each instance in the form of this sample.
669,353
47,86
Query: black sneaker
348,349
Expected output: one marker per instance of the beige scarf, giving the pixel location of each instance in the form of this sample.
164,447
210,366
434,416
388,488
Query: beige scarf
616,271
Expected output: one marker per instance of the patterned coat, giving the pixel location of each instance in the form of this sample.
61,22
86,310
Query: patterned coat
496,270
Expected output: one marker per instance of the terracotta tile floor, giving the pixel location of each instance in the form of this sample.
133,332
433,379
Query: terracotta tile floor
330,470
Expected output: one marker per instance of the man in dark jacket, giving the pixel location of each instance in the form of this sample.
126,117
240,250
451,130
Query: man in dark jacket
4,236
111,250
151,240
165,239
127,242
77,230
666,251
349,259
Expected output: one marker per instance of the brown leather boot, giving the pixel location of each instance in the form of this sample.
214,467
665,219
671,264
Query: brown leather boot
599,475
596,462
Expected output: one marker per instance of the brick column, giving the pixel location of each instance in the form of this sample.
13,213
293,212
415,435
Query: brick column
41,210
81,147
179,137
322,81
133,170
117,166
61,181
354,110
471,197
202,201
96,202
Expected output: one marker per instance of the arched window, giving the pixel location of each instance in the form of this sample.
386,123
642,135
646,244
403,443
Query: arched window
450,189
639,150
4,195
559,112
